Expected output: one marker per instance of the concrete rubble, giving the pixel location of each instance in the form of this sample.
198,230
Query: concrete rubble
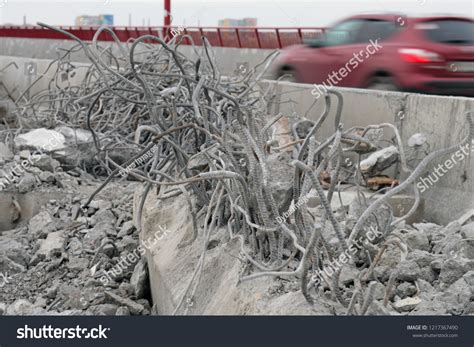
47,260
179,193
54,263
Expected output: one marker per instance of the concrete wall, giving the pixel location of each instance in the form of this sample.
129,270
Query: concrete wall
23,71
228,59
441,118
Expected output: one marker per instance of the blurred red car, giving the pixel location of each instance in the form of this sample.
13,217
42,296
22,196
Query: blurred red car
428,55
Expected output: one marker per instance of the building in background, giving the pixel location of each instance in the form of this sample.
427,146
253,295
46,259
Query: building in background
244,22
101,19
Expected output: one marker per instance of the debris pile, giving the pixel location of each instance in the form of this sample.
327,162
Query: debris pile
55,265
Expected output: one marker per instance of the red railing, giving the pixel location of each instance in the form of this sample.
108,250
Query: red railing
241,37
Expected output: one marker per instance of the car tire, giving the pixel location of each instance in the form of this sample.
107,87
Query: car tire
382,83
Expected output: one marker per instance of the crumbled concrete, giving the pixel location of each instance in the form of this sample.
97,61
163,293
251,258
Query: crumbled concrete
47,177
122,311
5,153
408,271
93,237
75,136
467,231
406,289
6,110
417,240
380,160
55,265
127,228
454,269
22,307
417,140
406,304
46,163
8,266
39,224
134,307
139,280
103,310
27,183
52,246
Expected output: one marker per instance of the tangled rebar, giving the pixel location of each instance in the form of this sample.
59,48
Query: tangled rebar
185,128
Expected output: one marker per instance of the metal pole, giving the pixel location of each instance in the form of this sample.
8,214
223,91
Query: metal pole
167,18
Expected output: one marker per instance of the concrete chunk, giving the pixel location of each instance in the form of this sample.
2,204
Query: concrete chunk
41,139
380,160
134,307
406,304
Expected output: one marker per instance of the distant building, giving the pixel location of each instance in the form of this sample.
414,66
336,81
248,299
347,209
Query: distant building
102,19
244,22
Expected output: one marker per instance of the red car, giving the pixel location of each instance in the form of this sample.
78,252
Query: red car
388,52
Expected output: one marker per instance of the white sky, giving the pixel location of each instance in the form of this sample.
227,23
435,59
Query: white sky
207,13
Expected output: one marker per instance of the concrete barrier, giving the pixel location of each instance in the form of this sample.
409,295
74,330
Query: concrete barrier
441,118
19,74
229,60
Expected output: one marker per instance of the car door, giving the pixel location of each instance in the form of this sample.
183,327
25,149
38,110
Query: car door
352,49
321,63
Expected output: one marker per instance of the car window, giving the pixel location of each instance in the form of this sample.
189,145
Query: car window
343,33
454,32
377,29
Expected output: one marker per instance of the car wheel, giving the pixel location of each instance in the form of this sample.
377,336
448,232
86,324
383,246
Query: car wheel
382,83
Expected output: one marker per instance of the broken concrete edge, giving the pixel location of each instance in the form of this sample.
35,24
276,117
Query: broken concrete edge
412,114
219,291
429,266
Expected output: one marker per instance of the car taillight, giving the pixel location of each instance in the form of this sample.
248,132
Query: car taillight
414,55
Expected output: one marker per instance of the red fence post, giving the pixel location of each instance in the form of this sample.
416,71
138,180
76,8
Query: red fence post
258,38
202,34
167,18
187,40
278,38
238,37
220,37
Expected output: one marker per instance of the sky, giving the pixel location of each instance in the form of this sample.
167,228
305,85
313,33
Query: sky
207,13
